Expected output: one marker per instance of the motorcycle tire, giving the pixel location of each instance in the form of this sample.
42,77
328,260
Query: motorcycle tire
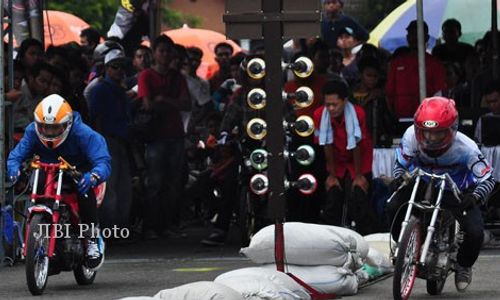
447,233
37,260
405,270
435,287
84,275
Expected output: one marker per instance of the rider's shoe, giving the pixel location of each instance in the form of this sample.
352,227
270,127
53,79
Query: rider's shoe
95,253
216,238
463,278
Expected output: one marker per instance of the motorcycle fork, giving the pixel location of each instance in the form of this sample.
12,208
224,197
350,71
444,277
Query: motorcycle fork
411,203
432,225
56,215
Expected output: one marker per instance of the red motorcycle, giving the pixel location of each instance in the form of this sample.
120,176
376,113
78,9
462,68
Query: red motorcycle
53,241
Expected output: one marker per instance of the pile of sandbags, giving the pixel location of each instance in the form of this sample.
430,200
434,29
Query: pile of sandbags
329,259
324,257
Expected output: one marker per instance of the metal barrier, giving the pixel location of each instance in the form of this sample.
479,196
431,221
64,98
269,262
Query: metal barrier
6,198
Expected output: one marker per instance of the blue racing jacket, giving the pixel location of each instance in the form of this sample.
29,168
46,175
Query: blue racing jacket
83,148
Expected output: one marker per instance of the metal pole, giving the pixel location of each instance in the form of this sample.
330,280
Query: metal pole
421,50
35,17
272,33
274,74
2,133
494,35
154,19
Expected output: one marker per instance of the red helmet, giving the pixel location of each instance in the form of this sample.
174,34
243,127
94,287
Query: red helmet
436,124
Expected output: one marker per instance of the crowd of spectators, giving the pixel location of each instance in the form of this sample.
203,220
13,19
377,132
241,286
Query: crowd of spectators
158,115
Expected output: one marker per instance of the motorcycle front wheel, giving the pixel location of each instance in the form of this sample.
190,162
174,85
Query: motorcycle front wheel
37,260
405,270
446,235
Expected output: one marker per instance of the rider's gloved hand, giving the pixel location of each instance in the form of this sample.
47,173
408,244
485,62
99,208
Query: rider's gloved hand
13,175
86,182
223,138
468,201
396,183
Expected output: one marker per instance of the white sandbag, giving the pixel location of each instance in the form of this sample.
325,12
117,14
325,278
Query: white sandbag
305,244
380,241
324,279
361,244
378,237
200,290
379,260
259,283
257,288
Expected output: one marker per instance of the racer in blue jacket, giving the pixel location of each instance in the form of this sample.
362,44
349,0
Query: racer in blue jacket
58,131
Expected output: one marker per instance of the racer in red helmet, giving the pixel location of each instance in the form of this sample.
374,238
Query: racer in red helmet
436,124
434,145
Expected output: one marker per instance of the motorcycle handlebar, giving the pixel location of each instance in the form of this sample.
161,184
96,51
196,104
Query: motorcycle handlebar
418,172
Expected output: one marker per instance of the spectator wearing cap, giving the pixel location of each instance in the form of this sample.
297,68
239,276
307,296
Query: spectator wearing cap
349,45
334,20
452,50
402,88
108,108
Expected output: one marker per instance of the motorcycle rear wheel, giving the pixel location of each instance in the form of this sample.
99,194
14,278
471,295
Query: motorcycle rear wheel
37,260
84,275
405,270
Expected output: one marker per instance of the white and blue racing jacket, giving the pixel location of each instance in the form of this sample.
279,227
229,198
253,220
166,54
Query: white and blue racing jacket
463,161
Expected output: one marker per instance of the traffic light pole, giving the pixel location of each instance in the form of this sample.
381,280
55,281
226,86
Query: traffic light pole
271,20
273,47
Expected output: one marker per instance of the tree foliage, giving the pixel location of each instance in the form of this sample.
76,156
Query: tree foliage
98,13
101,13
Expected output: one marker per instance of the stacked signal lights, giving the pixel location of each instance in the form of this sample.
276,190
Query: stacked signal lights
303,126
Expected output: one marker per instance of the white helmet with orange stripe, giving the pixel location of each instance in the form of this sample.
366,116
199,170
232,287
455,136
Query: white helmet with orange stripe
53,120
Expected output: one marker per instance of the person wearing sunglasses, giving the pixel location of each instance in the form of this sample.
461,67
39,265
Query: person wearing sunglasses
109,115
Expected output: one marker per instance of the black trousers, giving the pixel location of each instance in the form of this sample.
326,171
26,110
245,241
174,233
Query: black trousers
352,204
229,199
471,224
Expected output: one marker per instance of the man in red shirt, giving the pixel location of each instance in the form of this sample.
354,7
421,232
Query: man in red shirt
164,92
349,166
402,87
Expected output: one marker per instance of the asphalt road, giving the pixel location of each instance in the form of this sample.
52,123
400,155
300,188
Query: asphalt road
146,267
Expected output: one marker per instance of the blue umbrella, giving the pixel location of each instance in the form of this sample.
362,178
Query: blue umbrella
474,15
